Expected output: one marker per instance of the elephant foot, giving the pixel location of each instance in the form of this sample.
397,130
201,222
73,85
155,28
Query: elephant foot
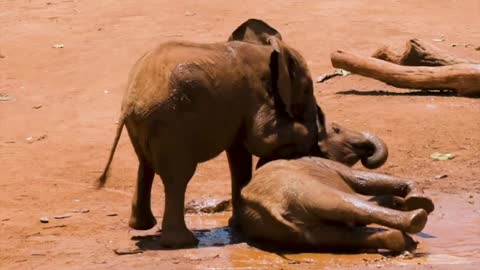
234,222
417,221
178,239
419,201
398,241
142,222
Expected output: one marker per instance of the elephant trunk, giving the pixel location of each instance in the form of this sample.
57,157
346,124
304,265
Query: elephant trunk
380,152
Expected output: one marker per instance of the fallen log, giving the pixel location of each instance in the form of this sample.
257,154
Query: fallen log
462,78
420,53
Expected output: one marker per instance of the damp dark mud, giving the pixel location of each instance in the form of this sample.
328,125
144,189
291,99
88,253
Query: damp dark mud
451,238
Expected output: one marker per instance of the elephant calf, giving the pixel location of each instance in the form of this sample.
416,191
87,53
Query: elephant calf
315,203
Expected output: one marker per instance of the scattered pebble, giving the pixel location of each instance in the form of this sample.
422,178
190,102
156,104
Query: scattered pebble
5,219
105,91
2,56
63,216
5,97
37,106
81,211
478,48
189,13
112,215
442,156
31,139
44,219
127,251
438,39
464,45
406,255
441,176
209,206
58,46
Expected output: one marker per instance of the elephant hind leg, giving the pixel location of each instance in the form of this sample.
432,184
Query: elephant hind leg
390,201
142,217
409,203
346,208
175,170
324,236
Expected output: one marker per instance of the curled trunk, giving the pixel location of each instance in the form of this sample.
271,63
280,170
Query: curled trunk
380,152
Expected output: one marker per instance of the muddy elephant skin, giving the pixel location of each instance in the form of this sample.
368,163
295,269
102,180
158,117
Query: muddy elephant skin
313,203
186,102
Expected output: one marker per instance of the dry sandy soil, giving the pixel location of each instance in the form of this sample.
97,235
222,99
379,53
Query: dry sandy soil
56,133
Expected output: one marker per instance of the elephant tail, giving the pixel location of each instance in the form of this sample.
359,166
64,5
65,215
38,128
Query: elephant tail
103,178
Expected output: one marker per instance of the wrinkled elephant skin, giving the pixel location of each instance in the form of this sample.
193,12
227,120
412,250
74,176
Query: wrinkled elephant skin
186,102
319,204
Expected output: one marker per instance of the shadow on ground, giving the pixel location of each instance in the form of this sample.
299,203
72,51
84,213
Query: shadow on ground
441,93
216,237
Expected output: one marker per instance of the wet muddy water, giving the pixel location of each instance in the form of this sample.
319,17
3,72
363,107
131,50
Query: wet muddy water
451,237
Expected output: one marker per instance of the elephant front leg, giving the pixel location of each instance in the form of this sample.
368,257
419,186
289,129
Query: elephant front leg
141,217
375,184
240,163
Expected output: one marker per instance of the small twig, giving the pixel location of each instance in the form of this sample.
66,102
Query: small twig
127,251
172,35
327,76
56,226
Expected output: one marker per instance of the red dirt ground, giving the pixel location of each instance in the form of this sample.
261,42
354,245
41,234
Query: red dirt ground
79,88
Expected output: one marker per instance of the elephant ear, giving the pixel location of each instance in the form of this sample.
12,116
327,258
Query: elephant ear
254,31
284,82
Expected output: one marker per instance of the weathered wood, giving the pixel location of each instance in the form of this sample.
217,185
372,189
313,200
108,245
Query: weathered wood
420,53
463,78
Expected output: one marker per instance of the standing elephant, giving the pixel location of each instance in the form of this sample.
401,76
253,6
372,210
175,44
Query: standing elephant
185,103
316,203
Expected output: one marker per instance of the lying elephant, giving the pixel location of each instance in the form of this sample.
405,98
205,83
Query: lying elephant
315,203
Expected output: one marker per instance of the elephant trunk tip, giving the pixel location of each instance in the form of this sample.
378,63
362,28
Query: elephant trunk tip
380,152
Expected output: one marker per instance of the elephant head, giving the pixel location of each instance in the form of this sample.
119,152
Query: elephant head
291,91
348,146
335,142
254,31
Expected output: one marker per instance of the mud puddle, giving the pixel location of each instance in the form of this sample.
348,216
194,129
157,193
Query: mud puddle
452,237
